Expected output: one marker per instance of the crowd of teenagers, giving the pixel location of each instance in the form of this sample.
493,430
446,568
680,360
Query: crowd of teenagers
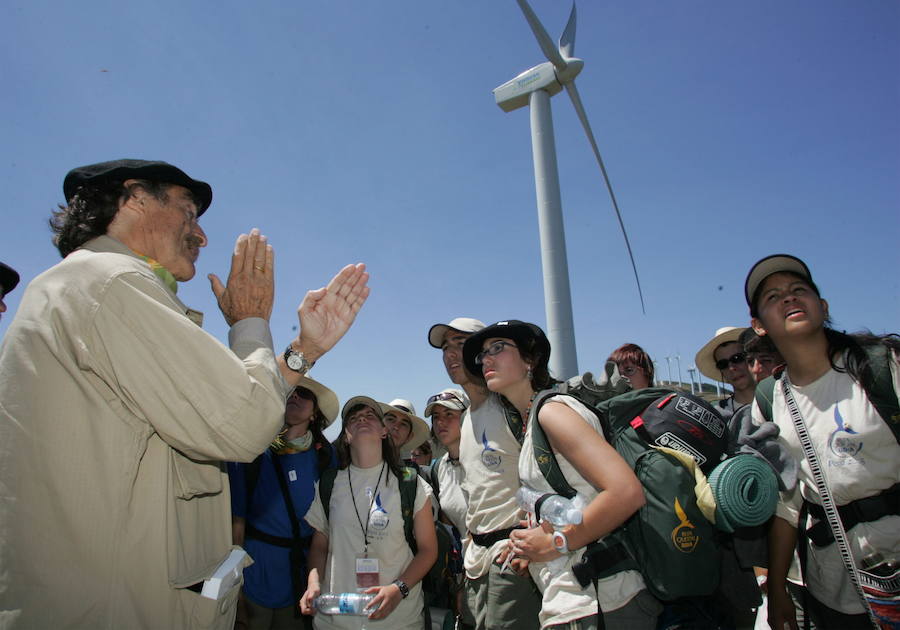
118,413
356,530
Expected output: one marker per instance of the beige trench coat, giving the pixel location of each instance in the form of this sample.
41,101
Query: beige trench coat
116,411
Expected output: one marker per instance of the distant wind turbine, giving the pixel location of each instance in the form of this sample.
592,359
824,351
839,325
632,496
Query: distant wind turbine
534,87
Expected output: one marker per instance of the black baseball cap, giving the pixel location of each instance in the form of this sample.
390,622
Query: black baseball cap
121,170
518,331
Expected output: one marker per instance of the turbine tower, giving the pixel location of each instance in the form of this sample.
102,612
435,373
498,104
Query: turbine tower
534,87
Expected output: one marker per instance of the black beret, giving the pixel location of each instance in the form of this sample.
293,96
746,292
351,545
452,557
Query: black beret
137,169
9,278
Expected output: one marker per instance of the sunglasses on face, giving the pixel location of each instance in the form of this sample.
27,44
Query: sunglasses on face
493,350
444,396
734,359
302,392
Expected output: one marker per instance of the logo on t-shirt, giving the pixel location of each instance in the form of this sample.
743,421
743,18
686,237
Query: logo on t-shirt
379,517
844,444
490,457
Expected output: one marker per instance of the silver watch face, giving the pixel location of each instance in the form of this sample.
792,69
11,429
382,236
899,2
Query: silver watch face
295,361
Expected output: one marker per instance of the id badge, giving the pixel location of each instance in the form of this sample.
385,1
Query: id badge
367,572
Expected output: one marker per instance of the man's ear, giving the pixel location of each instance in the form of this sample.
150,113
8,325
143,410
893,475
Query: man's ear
757,326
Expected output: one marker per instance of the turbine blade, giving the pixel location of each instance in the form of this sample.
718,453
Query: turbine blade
544,40
579,109
567,41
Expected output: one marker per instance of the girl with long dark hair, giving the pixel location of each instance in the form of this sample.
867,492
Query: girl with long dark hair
360,544
830,376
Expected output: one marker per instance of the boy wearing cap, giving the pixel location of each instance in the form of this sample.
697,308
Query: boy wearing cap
489,454
116,520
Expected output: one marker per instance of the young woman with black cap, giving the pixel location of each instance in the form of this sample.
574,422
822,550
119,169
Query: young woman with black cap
826,385
359,542
512,357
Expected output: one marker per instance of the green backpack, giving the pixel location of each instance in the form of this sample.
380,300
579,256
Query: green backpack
434,580
668,540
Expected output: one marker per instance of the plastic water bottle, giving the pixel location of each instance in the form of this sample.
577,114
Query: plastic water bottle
557,510
344,603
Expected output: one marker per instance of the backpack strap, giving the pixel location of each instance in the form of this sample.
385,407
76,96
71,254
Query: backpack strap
882,394
543,452
765,392
514,421
434,478
408,486
326,485
251,478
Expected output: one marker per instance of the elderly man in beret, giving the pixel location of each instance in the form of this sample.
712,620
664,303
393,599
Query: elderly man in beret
118,409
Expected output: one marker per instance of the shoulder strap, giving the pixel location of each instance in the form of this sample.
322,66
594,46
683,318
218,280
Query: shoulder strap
326,485
765,392
286,493
251,478
434,477
324,451
543,453
408,486
882,394
514,421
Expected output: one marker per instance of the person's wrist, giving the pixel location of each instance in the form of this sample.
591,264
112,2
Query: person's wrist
309,350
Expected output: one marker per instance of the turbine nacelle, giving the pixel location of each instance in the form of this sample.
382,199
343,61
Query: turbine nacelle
515,93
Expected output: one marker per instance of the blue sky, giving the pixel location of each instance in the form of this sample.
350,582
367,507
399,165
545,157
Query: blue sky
367,131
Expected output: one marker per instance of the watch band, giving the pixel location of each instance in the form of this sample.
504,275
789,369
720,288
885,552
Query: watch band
404,589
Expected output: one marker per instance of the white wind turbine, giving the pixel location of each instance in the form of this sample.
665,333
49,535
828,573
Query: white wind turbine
534,87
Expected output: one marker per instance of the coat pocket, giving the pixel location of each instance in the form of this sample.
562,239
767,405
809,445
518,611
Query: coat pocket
193,478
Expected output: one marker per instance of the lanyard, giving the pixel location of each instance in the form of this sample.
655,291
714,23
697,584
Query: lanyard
365,530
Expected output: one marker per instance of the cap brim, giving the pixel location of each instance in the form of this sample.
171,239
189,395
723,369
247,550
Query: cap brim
769,265
361,400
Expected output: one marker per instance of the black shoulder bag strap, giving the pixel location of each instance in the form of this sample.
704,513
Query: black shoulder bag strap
297,551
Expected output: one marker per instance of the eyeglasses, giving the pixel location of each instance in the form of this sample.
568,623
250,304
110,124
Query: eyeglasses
734,359
493,350
444,396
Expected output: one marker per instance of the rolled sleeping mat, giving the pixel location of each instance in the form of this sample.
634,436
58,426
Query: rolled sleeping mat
746,492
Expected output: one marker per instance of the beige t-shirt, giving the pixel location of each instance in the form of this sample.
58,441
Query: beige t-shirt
564,599
489,453
860,458
451,476
387,542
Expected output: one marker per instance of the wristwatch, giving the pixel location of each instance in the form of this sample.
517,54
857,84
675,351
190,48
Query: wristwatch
296,361
560,543
404,589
